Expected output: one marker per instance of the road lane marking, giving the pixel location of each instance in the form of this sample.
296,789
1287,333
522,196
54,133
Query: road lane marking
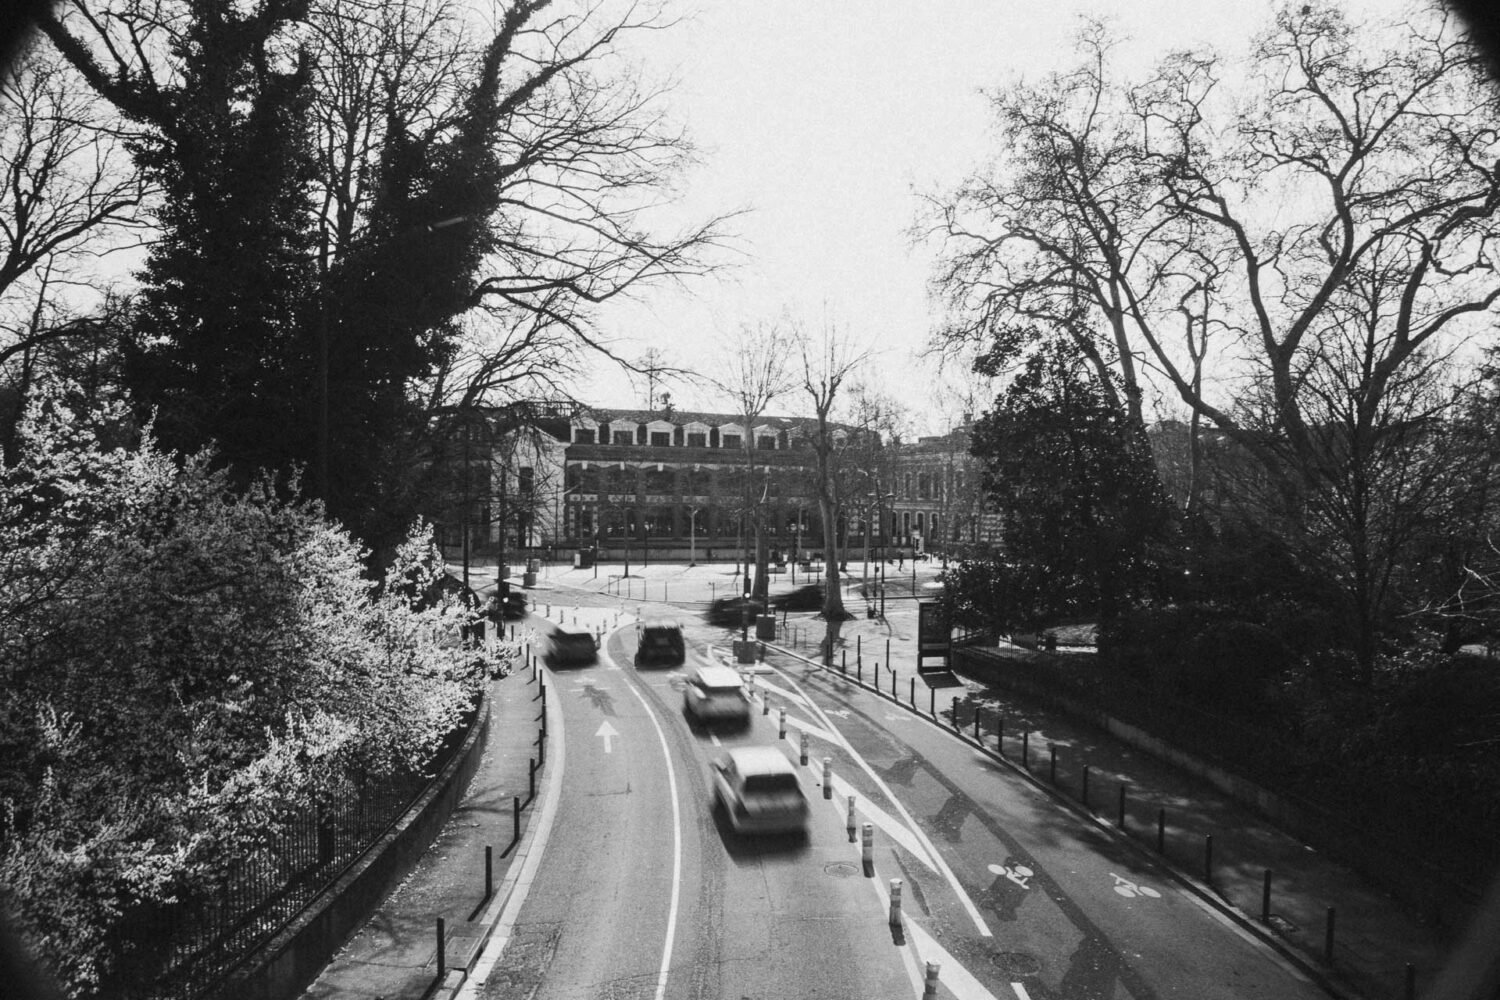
666,953
811,730
509,903
781,692
958,980
940,865
608,733
1021,993
892,827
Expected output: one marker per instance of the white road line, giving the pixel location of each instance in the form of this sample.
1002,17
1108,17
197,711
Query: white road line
942,866
1021,993
952,975
892,827
666,953
782,692
535,845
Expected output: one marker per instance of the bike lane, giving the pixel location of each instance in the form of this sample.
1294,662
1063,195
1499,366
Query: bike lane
1069,910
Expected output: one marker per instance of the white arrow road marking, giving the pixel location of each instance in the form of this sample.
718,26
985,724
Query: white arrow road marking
942,866
780,692
891,826
812,730
952,975
608,732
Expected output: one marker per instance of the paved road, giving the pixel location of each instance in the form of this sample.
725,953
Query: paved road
643,892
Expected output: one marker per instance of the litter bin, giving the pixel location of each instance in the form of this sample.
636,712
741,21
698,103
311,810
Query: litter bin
765,627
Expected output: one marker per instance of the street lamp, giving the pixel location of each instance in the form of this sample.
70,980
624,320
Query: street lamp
693,536
745,612
645,544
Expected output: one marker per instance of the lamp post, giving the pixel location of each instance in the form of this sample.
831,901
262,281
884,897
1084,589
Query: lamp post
745,612
693,536
645,544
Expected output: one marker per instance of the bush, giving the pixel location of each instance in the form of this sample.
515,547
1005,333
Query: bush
1232,664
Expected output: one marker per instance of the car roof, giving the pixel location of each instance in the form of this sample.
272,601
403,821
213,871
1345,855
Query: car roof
660,623
719,676
761,760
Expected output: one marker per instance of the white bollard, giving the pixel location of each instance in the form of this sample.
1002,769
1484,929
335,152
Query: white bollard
783,723
827,777
765,705
929,988
851,819
895,902
804,750
867,847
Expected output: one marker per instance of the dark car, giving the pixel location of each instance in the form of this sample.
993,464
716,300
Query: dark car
726,611
506,604
660,642
573,649
805,598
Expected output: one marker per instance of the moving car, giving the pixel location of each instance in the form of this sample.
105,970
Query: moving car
573,649
759,790
660,642
716,694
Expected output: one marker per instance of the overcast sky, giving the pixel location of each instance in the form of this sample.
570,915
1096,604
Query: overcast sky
823,117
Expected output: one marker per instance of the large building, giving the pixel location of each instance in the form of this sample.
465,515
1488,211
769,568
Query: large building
676,485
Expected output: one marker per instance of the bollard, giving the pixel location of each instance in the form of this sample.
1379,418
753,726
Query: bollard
978,735
858,656
895,902
803,751
843,661
531,782
541,747
765,704
1000,735
1328,938
911,693
827,777
442,959
516,817
893,683
489,872
1052,753
859,672
1085,793
782,734
930,985
954,713
1208,858
1265,899
867,848
1121,822
1161,831
851,819
888,652
1026,749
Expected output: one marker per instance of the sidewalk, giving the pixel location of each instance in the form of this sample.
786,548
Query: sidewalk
1374,938
394,956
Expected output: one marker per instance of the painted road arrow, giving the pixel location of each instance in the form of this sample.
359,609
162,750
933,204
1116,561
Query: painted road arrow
608,732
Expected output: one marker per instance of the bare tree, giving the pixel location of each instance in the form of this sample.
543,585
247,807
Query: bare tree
1334,229
758,372
827,365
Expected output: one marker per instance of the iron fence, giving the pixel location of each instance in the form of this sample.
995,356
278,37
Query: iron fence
186,949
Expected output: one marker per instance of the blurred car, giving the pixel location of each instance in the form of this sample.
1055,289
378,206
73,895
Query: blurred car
804,598
573,649
759,790
726,611
506,604
716,694
660,642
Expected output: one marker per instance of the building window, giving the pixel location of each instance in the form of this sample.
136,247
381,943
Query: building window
697,440
583,435
731,440
765,443
661,439
624,437
526,480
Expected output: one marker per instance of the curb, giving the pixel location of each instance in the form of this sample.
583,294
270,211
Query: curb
1202,891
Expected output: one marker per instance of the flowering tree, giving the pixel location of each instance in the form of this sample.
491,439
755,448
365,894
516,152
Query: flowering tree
186,669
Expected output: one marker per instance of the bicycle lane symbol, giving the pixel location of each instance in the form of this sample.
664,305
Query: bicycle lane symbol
1130,890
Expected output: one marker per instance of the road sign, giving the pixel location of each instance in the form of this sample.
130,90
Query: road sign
934,635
